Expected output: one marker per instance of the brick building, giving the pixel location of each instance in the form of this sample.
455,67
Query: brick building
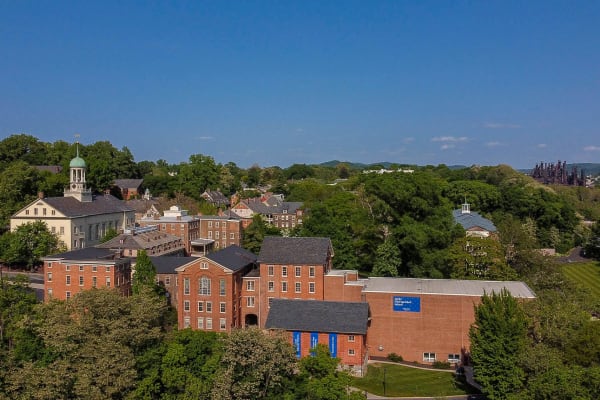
166,274
150,239
272,208
217,232
67,274
175,221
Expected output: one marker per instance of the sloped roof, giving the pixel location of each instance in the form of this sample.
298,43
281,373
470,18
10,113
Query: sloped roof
233,257
272,205
215,196
295,250
318,316
469,220
128,183
101,204
142,241
87,253
167,264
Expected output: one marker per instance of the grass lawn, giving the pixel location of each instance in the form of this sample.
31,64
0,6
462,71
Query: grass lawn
406,381
587,274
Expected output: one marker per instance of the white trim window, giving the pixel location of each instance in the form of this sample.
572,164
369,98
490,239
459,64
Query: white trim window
429,357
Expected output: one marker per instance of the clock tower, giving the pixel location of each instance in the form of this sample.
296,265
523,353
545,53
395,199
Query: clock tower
77,187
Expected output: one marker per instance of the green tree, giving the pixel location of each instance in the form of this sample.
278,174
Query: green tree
145,273
254,366
111,233
479,258
18,186
195,176
498,339
22,147
388,260
256,232
30,242
16,301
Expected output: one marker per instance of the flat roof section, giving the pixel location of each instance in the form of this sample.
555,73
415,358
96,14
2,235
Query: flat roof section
450,287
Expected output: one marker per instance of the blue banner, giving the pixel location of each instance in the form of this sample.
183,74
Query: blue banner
333,344
407,304
297,343
314,341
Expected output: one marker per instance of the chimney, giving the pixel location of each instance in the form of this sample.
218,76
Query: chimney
40,195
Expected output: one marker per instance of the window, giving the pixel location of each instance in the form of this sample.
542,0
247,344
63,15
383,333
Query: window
216,234
200,323
351,338
232,236
250,301
208,323
222,287
284,271
94,268
217,224
271,270
271,286
210,234
49,265
210,224
107,281
351,352
284,286
186,305
67,267
49,279
94,281
81,281
429,357
222,324
204,265
53,212
250,286
35,212
26,212
270,301
297,287
222,307
168,280
108,268
311,287
62,230
200,306
50,292
81,268
68,295
68,279
186,285
186,322
453,358
209,306
53,229
298,271
204,287
311,272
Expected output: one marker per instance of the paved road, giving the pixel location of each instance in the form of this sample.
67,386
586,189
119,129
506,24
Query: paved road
36,281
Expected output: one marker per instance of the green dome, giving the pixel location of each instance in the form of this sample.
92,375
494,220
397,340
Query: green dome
77,162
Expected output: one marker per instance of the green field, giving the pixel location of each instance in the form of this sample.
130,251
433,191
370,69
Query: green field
587,274
409,382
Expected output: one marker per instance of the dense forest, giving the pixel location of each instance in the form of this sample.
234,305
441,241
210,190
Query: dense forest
392,224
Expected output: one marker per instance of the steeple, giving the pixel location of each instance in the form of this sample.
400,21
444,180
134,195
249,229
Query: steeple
77,187
466,208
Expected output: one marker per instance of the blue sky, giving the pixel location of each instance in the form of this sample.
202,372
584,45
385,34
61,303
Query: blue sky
283,82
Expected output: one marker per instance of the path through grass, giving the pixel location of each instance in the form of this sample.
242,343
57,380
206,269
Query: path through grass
406,382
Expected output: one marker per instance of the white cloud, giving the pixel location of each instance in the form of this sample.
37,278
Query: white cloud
452,139
493,144
447,146
542,146
591,148
499,125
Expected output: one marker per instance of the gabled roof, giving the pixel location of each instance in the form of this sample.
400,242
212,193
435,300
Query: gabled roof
215,196
272,205
233,257
471,219
142,241
128,183
101,204
318,316
167,264
295,250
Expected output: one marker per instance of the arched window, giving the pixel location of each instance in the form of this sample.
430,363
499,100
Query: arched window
204,287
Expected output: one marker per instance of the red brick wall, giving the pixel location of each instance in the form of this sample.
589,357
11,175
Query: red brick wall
344,345
337,289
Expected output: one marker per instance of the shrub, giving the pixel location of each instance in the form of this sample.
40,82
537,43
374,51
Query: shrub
441,365
394,357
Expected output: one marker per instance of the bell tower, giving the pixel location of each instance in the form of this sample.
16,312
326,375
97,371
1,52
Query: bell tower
77,187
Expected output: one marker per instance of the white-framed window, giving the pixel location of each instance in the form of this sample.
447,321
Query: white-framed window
429,357
94,268
269,301
210,224
216,224
200,323
250,285
311,287
217,235
453,358
298,286
186,285
284,286
186,305
186,322
351,352
203,265
81,268
284,271
222,287
49,276
232,236
67,267
49,265
94,281
351,338
208,323
271,286
168,280
210,234
68,279
200,306
250,301
222,324
298,271
108,268
68,295
81,280
107,281
62,230
209,306
271,270
204,286
50,292
222,307
311,272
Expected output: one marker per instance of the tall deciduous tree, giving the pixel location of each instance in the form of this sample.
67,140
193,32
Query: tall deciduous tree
256,232
388,260
145,273
498,339
30,242
479,258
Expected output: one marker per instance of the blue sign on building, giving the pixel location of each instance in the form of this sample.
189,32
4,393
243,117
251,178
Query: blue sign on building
407,304
297,343
333,344
314,340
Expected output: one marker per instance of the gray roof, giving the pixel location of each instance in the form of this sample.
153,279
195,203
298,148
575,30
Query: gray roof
272,206
144,240
451,287
101,204
295,250
472,219
233,257
318,316
128,183
141,205
87,253
215,196
167,264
